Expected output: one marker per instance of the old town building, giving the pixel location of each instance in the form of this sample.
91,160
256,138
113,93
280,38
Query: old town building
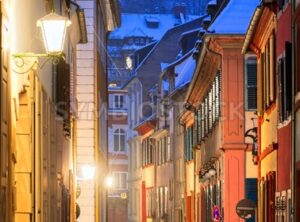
270,37
118,154
220,110
295,109
49,106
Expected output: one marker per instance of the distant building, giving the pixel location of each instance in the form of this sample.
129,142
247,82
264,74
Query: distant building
136,32
117,154
194,7
144,129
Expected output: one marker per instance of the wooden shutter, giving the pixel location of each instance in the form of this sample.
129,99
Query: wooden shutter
199,126
270,196
288,77
272,68
251,84
195,130
63,95
281,88
260,86
210,119
267,75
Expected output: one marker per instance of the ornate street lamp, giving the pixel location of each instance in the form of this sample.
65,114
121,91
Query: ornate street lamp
54,28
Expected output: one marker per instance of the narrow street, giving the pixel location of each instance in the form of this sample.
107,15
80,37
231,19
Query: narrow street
150,111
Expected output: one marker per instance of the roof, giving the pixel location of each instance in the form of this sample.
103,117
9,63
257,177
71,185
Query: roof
253,23
185,71
235,17
136,32
133,22
212,2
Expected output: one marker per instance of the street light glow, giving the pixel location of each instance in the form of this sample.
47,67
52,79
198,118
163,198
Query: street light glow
88,172
109,181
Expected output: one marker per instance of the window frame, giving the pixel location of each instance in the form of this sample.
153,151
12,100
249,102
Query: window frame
121,133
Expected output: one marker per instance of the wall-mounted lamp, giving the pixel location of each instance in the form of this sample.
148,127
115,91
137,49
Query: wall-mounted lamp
54,28
109,181
87,172
252,134
208,170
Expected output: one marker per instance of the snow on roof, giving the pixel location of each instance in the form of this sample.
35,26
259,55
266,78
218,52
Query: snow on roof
235,17
136,32
185,71
212,2
130,21
132,47
192,31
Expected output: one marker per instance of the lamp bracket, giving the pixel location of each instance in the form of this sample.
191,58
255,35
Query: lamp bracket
24,62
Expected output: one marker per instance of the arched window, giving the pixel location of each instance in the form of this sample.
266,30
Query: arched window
119,140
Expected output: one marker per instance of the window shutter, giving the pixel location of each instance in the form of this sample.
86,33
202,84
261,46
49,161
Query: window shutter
260,87
267,76
202,121
251,85
195,128
210,111
272,68
288,77
206,116
63,95
281,88
218,94
263,79
199,122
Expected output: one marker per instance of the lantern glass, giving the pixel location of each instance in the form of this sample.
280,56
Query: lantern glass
88,172
54,29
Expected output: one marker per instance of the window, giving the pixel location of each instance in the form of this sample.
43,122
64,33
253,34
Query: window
267,81
162,201
163,150
119,140
119,102
251,84
147,151
188,151
119,180
282,3
285,83
150,202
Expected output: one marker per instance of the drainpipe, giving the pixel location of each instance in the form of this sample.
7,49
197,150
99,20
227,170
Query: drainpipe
293,147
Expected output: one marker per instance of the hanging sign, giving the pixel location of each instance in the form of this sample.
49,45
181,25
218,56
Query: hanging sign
216,214
246,209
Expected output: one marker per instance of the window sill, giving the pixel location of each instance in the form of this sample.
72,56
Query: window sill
284,123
